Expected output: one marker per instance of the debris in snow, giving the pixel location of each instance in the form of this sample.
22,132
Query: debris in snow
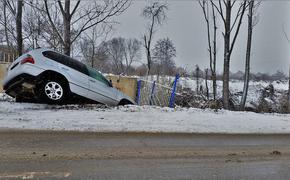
276,153
274,93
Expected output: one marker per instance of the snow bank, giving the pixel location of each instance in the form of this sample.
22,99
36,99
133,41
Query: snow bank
137,119
5,97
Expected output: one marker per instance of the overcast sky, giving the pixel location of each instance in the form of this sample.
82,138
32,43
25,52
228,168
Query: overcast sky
186,28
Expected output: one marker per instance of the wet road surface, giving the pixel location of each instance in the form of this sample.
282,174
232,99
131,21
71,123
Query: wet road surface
76,155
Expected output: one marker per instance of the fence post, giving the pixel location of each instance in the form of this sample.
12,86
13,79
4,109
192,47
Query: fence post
172,97
138,92
152,93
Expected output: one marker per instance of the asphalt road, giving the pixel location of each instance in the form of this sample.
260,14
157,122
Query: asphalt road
76,155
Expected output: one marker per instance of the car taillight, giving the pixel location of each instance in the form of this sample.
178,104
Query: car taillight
28,59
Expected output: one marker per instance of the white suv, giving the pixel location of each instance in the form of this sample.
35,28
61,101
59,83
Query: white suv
49,76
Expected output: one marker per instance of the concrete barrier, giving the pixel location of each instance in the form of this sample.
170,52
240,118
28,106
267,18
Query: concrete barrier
3,70
127,85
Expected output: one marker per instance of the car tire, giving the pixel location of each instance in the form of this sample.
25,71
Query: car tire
124,102
53,91
19,99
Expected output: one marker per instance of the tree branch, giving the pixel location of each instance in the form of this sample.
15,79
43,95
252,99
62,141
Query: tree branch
219,10
51,22
112,12
61,8
236,17
75,8
239,26
285,34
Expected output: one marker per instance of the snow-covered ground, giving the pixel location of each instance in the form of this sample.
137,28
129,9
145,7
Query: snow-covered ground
137,119
146,118
236,86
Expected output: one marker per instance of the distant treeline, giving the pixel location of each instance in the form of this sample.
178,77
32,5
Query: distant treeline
239,75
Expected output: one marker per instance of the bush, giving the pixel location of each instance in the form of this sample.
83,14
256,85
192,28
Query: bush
283,104
188,98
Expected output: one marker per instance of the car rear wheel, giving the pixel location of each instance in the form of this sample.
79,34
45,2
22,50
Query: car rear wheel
20,99
53,91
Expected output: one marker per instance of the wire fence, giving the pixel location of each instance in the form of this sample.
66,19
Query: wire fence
158,93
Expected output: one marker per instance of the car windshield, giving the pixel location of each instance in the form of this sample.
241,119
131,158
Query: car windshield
98,76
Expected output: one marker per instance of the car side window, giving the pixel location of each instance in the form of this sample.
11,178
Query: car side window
98,76
66,60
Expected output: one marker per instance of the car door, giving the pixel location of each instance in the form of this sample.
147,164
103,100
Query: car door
79,81
75,72
101,89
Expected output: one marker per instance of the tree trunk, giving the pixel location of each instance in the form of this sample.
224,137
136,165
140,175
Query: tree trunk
93,55
19,37
214,85
227,54
197,79
248,55
213,70
148,60
5,24
66,26
289,92
206,84
212,50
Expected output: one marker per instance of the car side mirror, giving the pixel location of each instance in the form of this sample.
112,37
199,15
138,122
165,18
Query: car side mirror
110,83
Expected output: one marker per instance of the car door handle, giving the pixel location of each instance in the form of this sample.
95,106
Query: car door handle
92,81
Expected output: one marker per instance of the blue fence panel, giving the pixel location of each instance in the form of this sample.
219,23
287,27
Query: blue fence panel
138,92
172,97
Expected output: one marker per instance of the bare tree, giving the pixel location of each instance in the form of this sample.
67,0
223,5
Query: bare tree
164,53
114,48
12,13
156,14
251,14
131,53
288,40
50,35
33,23
81,17
225,10
212,47
5,20
91,47
120,52
22,23
95,55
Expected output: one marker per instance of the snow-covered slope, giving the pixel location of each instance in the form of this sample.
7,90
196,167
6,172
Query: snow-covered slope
138,119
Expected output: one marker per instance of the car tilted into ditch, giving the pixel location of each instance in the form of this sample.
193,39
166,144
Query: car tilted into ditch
51,77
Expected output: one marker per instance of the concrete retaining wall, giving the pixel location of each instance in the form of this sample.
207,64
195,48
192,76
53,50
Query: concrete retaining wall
127,85
3,70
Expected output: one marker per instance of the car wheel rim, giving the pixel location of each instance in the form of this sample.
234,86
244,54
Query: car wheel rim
53,91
